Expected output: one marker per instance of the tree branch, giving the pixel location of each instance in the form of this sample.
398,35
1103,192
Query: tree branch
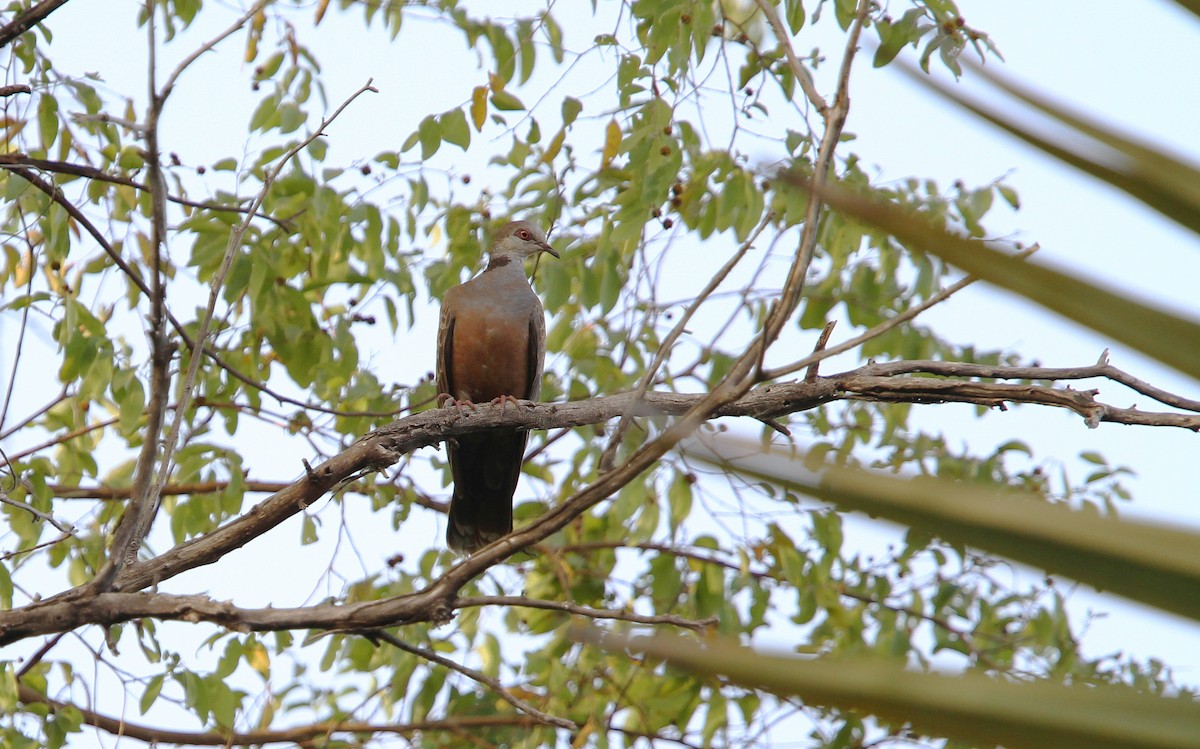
474,675
27,20
234,244
144,501
298,735
664,348
11,160
696,625
835,120
803,77
387,445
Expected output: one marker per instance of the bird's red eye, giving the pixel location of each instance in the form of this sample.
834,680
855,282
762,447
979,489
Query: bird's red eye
524,234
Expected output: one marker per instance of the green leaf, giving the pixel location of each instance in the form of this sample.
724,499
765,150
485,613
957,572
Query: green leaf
795,15
47,116
455,129
894,36
430,136
1114,315
571,107
6,588
506,102
308,530
1149,563
153,688
971,707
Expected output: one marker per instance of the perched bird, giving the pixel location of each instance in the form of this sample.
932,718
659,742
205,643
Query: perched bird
491,347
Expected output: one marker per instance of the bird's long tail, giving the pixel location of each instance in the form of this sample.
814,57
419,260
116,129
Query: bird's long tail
486,467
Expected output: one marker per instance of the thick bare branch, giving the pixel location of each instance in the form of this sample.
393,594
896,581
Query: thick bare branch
27,20
387,445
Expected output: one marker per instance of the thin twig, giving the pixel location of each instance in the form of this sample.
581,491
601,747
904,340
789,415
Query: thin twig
822,340
803,77
231,249
62,396
474,675
79,432
36,547
143,505
66,528
872,332
183,65
835,119
697,625
12,380
10,160
664,349
877,330
37,657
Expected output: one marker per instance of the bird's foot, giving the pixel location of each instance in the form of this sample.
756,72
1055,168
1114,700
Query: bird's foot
446,400
506,399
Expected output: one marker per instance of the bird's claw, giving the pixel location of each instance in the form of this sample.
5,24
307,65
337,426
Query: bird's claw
446,400
503,400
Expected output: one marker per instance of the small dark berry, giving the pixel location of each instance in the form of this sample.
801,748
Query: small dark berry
686,18
366,169
667,223
466,179
665,150
200,169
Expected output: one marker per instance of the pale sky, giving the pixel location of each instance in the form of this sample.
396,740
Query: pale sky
1128,64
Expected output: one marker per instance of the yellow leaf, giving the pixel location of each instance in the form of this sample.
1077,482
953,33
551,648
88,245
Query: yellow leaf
479,106
496,82
612,141
259,660
555,146
321,7
256,30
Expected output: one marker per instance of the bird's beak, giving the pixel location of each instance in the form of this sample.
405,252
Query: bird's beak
547,248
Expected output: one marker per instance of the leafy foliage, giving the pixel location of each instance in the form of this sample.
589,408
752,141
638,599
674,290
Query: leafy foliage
684,156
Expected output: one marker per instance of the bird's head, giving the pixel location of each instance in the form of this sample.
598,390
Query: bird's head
518,240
